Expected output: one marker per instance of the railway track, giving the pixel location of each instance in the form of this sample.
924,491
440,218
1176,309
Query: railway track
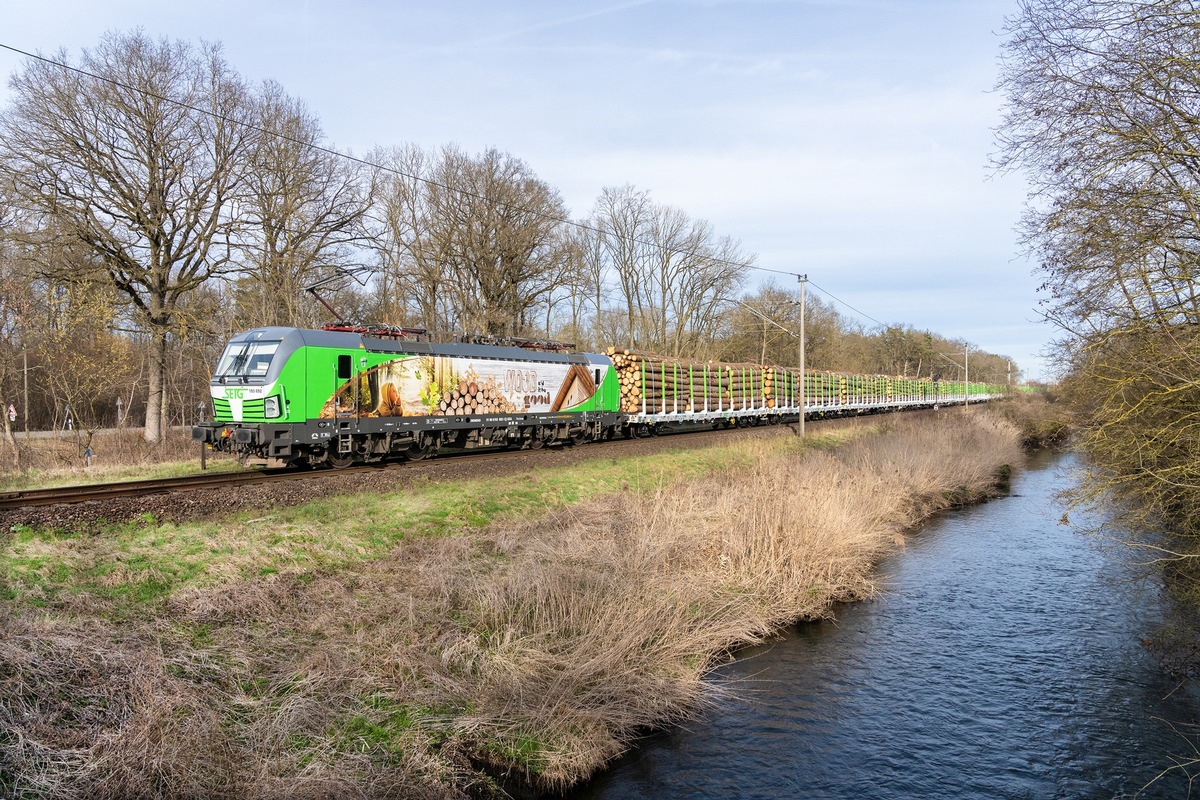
219,480
64,495
105,491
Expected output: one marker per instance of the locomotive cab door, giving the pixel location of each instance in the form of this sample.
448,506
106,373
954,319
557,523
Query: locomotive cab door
348,395
345,376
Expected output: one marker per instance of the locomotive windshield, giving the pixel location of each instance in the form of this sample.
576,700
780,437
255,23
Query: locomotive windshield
245,360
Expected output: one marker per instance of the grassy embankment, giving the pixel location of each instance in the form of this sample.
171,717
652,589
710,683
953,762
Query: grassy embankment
420,644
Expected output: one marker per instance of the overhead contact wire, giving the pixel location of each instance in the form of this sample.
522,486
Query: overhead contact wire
401,173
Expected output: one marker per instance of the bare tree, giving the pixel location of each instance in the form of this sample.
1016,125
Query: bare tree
747,336
411,279
501,225
1102,117
580,290
905,351
16,301
621,218
673,276
304,208
136,155
475,240
78,341
711,273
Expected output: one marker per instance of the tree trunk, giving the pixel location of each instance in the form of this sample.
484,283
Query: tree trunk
8,436
156,401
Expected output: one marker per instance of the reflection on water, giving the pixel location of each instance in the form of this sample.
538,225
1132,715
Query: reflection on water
1002,663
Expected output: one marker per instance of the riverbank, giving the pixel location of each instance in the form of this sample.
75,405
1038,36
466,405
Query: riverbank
441,642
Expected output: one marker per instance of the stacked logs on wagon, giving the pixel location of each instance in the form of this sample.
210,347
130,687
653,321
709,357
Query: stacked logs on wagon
660,383
781,386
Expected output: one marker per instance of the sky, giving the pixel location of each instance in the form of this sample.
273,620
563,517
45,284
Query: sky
848,140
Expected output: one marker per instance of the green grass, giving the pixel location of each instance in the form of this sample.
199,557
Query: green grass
135,567
522,750
383,725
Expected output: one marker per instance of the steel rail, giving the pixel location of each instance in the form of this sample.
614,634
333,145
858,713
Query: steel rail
64,495
102,491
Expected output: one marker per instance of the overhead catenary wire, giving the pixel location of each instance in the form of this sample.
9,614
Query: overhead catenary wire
364,162
577,224
823,291
828,294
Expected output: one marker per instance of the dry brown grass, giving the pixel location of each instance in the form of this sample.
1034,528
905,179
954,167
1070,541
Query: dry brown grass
539,650
1043,418
606,621
52,459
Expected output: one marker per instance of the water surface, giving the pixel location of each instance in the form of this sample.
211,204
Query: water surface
1004,662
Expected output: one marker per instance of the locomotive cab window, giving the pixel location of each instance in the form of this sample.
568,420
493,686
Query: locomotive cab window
246,360
344,368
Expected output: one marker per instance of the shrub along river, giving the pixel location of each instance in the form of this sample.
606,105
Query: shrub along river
1003,661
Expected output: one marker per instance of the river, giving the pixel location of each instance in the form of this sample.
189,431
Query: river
1003,661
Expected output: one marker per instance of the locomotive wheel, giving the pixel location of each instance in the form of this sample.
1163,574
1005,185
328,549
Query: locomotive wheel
537,439
340,460
418,452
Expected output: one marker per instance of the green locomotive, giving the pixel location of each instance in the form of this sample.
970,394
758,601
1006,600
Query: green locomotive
337,396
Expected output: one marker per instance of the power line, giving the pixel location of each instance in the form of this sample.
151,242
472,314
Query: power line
421,179
847,305
825,292
361,161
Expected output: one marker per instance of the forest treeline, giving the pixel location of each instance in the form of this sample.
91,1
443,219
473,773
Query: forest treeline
1102,117
154,202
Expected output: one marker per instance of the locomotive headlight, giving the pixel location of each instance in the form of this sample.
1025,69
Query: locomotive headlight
271,407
